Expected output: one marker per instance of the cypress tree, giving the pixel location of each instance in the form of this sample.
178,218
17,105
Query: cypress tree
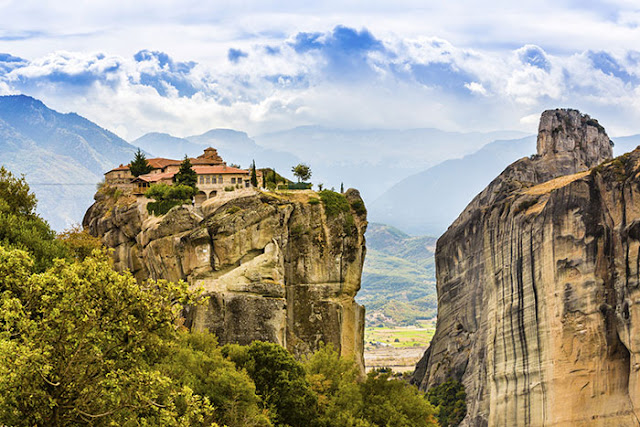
254,176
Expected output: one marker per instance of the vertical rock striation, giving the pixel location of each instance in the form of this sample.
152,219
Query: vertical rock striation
275,268
539,287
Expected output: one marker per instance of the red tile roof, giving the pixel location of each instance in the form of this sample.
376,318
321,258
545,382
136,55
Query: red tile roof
219,169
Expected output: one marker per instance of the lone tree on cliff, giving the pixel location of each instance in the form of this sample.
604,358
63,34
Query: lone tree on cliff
186,175
302,172
139,165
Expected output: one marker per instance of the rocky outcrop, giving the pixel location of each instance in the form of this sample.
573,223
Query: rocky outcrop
539,287
276,268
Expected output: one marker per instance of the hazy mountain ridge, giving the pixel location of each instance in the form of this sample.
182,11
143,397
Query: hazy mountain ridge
398,279
62,156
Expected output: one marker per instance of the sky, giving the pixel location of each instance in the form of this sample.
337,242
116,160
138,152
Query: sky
184,67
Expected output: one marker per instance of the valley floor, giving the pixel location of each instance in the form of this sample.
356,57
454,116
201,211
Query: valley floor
398,348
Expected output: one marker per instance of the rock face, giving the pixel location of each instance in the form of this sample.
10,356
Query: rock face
539,287
275,268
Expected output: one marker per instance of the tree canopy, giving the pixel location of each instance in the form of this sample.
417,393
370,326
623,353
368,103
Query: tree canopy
139,165
21,227
186,175
302,172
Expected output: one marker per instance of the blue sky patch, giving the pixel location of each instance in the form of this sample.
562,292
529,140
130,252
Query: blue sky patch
235,55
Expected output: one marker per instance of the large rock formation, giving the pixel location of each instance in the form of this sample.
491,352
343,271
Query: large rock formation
276,268
539,287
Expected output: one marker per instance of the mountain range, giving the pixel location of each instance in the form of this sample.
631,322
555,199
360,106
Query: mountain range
62,156
426,203
410,179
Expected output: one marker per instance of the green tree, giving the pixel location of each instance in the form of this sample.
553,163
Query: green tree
198,363
342,187
336,381
168,196
139,165
450,399
21,227
186,175
280,380
391,402
302,172
254,176
79,342
264,178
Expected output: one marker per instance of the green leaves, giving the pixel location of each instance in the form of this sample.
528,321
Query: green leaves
168,196
20,227
186,175
80,343
139,165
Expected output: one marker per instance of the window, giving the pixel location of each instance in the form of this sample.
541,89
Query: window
213,180
233,180
220,180
201,179
208,179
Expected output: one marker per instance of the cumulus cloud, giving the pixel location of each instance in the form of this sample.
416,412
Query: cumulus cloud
343,76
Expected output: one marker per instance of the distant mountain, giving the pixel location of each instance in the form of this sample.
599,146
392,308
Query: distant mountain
165,145
234,147
373,160
427,202
63,156
398,280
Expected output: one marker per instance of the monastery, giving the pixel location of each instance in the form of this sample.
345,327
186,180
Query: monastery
214,176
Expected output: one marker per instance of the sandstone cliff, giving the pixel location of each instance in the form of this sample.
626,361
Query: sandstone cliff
539,287
279,268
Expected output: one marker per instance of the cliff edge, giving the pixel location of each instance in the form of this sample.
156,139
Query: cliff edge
276,267
538,286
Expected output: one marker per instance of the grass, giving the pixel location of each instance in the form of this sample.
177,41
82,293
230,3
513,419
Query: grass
401,337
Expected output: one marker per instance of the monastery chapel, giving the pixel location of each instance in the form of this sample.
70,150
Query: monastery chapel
214,175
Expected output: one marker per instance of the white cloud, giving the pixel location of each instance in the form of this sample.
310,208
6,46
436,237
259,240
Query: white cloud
519,57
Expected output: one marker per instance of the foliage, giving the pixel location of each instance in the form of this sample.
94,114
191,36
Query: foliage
336,382
301,171
139,165
358,207
168,196
21,227
334,203
341,188
280,380
345,400
79,343
299,186
79,242
229,188
314,201
254,175
394,402
197,363
186,175
450,400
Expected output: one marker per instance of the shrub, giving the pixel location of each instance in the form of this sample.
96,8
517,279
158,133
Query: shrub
314,201
229,188
167,197
358,207
334,203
